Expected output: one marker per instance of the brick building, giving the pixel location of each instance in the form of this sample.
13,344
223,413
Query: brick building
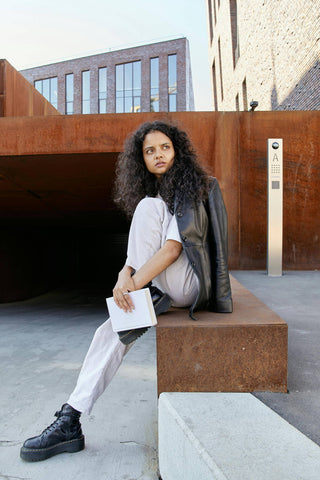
155,77
267,51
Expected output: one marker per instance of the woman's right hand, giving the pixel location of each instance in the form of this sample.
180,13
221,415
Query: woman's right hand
122,289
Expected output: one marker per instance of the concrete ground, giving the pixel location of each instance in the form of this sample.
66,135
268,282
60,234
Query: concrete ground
43,342
42,345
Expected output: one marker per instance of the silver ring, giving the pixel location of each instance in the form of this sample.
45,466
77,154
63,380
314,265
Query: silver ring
125,293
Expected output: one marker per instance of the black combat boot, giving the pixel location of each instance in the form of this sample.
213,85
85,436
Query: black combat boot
161,303
63,435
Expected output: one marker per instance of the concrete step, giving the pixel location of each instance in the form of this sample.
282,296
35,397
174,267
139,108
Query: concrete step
230,436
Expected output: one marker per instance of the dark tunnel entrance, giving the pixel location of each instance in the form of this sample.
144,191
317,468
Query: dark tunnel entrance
59,226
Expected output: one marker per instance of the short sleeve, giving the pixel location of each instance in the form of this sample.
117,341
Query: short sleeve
173,231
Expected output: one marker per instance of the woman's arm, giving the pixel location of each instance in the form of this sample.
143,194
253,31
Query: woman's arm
153,267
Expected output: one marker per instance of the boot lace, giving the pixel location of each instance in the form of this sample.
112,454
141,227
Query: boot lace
55,424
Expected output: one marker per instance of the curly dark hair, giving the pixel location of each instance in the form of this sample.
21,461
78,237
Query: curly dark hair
133,181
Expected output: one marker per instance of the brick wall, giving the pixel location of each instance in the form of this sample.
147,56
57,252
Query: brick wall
110,60
279,47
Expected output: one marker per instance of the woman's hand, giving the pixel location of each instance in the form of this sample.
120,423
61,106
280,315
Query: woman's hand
124,285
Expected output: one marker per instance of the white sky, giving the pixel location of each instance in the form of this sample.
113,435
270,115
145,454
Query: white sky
37,32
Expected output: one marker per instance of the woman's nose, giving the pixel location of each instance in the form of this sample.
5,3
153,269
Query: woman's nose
158,153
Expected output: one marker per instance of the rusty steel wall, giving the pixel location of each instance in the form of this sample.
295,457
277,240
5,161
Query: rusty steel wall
57,172
18,98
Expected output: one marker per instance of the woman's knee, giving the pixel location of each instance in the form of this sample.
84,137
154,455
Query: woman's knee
150,205
150,210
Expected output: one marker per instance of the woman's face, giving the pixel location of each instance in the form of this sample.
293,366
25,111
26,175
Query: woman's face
158,153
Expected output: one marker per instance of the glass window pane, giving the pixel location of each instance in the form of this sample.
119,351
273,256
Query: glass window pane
86,85
69,94
69,108
119,105
172,72
38,85
102,82
154,85
86,92
54,91
128,87
137,78
137,104
128,104
154,104
119,78
128,76
102,106
46,88
172,103
86,106
154,72
69,87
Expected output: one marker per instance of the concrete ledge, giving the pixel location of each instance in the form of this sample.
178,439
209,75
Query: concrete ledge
230,436
244,351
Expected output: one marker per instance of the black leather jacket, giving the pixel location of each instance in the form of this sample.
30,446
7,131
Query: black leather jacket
204,233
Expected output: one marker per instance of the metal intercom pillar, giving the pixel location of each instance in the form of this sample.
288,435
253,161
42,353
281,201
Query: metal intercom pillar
275,207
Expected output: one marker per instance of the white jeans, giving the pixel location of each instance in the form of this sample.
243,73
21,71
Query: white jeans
151,226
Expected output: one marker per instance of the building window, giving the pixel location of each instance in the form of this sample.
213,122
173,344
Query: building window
48,87
245,95
214,84
154,85
103,90
128,87
214,11
210,20
237,103
69,94
220,68
172,82
86,91
234,32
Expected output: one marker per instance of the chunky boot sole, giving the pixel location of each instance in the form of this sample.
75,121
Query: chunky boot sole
129,336
161,306
36,455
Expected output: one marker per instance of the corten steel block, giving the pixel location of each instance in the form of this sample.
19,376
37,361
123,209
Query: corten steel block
244,351
18,98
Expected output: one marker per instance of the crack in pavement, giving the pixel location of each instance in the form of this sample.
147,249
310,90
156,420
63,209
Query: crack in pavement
10,477
140,444
8,443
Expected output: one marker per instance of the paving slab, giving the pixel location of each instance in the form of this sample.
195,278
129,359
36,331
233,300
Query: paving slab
230,436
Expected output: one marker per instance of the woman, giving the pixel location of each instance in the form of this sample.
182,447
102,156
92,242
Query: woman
177,246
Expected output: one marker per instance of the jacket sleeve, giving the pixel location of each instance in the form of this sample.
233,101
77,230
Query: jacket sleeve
220,281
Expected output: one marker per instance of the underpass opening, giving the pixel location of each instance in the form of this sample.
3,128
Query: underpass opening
59,225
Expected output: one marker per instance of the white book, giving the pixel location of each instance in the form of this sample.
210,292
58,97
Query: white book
143,314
